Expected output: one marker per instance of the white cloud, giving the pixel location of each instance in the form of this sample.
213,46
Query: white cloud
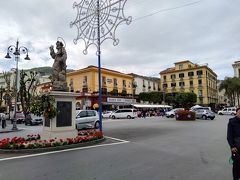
204,32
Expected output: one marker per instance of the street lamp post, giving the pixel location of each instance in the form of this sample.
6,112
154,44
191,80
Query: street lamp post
16,51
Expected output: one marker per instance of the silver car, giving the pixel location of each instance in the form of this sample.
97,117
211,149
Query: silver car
87,119
171,114
32,119
204,114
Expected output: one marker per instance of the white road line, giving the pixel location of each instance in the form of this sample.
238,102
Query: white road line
115,120
67,150
117,139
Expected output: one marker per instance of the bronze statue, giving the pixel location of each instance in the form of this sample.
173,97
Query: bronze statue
59,82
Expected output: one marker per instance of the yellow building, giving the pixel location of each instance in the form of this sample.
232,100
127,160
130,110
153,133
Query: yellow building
114,84
189,77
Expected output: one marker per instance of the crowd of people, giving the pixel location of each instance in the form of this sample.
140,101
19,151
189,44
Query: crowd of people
143,113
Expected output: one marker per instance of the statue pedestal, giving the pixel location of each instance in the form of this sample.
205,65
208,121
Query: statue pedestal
63,125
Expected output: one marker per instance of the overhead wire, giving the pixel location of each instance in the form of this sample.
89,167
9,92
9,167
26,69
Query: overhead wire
167,9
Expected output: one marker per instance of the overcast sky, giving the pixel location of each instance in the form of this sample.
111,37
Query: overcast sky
162,32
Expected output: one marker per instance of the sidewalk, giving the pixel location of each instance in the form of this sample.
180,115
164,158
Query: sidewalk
8,129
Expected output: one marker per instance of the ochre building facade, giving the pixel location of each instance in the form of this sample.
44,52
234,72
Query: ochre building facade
186,76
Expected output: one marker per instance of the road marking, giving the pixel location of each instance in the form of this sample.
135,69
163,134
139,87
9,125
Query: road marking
67,150
115,120
117,139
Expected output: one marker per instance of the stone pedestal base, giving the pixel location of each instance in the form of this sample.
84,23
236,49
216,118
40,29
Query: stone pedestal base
63,125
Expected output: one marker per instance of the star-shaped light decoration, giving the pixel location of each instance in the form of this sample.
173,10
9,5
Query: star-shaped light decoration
110,16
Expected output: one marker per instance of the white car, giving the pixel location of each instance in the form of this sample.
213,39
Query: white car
173,112
87,119
124,113
107,114
228,111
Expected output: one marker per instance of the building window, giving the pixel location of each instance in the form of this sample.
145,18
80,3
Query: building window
71,85
173,76
104,80
200,93
190,74
180,66
181,75
199,82
181,84
173,84
124,83
164,85
114,82
191,83
164,78
199,72
149,86
85,80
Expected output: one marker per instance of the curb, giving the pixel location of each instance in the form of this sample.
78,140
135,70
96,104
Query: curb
40,150
8,131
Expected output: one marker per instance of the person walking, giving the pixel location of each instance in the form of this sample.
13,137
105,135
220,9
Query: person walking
3,119
233,138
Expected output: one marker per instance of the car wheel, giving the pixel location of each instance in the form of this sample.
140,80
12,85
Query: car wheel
31,123
233,114
113,117
220,113
26,123
172,116
204,117
212,118
97,125
128,117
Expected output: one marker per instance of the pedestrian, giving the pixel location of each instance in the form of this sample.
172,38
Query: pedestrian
3,119
233,137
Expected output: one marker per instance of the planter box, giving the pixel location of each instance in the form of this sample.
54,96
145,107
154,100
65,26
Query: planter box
185,116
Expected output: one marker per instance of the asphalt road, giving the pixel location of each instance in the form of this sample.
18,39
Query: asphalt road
153,149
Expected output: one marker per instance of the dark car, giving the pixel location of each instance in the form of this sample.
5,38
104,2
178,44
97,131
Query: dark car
32,119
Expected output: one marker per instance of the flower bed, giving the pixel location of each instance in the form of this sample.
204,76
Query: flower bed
34,141
184,115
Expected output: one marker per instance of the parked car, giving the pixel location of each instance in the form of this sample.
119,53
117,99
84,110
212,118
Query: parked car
173,112
107,114
204,114
87,119
32,119
124,113
228,111
200,108
19,116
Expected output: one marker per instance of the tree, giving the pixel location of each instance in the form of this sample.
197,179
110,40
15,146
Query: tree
27,88
232,89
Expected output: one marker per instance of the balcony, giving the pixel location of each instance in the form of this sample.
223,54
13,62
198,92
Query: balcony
104,90
114,92
124,92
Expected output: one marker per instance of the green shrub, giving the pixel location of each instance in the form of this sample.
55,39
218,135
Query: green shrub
185,115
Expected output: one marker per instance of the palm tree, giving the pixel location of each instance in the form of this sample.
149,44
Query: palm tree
232,89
